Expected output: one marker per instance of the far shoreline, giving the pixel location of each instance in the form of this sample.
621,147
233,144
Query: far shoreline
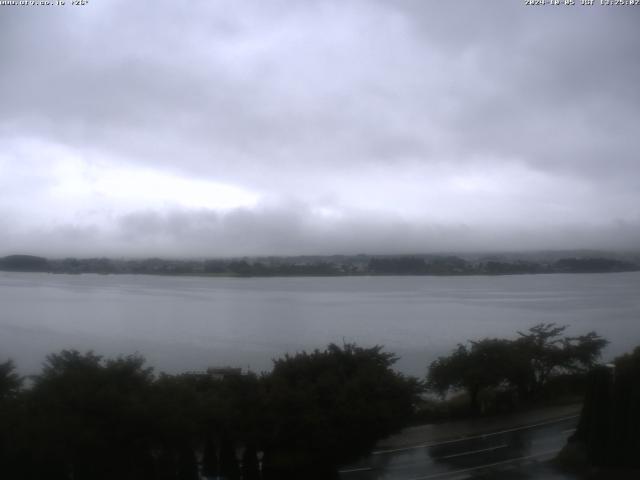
332,266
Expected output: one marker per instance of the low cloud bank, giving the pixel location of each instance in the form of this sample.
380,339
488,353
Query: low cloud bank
301,230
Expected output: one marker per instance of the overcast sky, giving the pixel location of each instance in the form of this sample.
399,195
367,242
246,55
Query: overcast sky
217,128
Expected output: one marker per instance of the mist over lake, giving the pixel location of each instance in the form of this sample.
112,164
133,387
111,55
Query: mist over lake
190,323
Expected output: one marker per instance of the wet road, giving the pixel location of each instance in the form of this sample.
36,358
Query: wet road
518,451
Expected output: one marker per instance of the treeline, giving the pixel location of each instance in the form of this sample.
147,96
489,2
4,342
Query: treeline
90,418
314,266
158,266
452,265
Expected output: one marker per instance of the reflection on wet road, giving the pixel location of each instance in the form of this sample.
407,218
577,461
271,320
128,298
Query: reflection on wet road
491,455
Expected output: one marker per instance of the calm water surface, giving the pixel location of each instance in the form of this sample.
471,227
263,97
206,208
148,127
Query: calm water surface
183,323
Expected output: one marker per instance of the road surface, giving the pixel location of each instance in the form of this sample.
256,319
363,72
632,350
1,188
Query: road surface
520,451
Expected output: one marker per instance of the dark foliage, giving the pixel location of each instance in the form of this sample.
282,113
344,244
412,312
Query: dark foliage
593,265
90,418
24,263
317,266
510,268
609,427
398,266
331,406
10,381
523,366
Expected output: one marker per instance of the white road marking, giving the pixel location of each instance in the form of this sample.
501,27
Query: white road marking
462,439
352,470
471,452
486,465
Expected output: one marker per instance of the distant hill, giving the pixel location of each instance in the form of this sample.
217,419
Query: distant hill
24,263
593,265
335,265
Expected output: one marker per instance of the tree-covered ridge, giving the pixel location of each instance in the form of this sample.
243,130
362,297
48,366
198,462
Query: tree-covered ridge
336,265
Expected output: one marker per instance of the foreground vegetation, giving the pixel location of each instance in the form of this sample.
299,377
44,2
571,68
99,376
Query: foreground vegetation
88,417
521,370
85,417
607,441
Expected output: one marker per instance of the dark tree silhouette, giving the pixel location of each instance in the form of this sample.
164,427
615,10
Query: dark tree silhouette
543,352
525,364
89,417
473,368
328,407
10,381
609,427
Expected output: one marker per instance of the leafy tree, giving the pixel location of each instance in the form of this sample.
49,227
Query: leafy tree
179,426
526,363
543,352
209,414
609,427
12,439
90,417
473,368
87,417
10,381
328,407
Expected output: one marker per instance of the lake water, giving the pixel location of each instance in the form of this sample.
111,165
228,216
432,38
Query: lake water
189,323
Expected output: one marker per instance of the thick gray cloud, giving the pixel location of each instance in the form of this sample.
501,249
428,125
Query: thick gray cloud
300,127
